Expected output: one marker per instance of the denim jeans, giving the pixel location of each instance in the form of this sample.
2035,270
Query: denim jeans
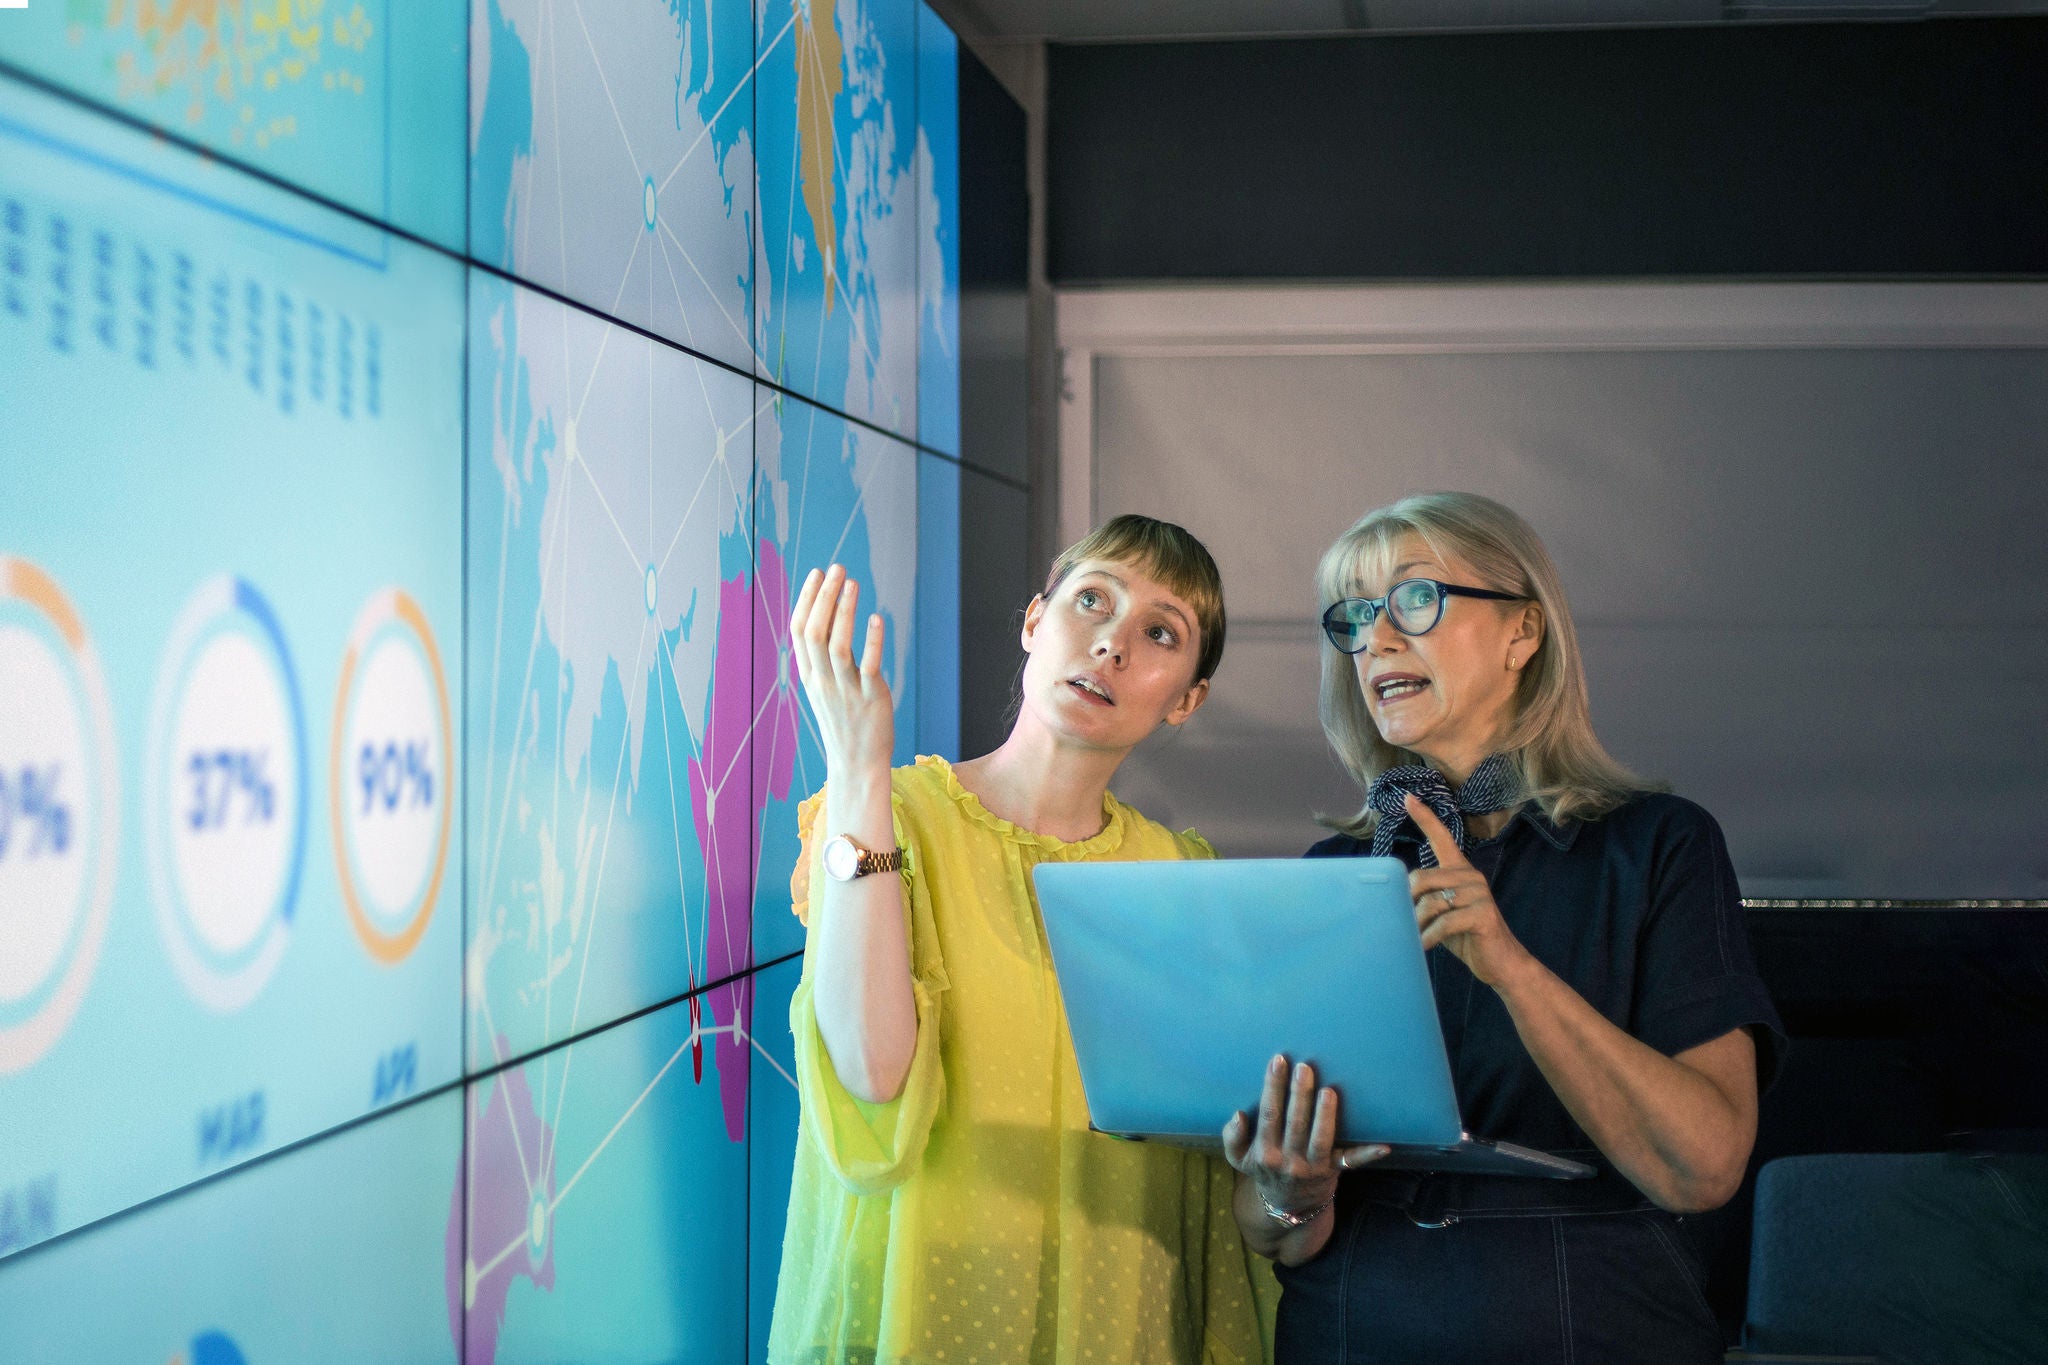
1519,1288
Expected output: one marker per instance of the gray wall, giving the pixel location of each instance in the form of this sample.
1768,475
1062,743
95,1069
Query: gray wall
1809,579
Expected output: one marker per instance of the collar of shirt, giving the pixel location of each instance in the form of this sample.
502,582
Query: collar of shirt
1558,836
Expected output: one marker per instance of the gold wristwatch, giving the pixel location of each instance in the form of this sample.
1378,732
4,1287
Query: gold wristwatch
845,859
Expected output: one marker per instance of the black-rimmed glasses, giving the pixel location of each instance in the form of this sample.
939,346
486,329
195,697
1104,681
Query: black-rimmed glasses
1413,606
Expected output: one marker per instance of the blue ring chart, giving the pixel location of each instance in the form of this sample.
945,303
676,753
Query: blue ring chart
226,793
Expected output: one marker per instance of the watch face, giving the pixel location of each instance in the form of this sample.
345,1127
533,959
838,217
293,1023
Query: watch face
842,859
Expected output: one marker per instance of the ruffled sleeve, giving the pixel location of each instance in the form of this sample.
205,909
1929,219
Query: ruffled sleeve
868,1148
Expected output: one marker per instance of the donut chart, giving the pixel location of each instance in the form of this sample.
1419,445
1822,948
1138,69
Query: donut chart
59,812
235,415
388,771
226,793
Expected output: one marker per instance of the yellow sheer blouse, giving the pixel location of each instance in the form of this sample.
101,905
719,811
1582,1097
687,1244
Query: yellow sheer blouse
974,1219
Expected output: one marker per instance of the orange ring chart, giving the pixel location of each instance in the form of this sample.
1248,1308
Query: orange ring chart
60,807
390,762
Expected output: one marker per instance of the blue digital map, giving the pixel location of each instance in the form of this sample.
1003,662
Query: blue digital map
411,465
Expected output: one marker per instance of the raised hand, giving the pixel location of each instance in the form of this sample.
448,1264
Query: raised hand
855,713
1454,905
1290,1153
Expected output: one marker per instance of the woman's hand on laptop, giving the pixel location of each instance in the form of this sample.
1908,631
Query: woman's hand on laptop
1287,1160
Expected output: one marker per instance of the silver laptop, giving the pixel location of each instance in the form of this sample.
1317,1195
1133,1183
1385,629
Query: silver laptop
1182,979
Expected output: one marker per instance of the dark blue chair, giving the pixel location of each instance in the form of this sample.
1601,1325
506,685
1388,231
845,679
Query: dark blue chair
1937,1258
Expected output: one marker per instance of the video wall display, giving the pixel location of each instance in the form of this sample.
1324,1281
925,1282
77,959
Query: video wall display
421,418
357,101
829,491
938,252
611,626
607,1198
841,240
230,652
612,161
345,1250
771,1153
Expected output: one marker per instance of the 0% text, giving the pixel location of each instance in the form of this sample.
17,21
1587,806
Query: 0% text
34,821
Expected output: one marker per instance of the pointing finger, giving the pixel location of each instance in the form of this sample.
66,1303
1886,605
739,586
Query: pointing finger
1448,854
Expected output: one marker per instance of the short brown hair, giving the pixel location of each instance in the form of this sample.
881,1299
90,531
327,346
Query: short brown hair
1168,553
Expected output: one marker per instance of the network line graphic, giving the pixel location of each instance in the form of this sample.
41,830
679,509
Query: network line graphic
519,1184
705,63
645,505
537,725
614,164
841,234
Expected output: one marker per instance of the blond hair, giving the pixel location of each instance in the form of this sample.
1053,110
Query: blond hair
1168,553
1559,764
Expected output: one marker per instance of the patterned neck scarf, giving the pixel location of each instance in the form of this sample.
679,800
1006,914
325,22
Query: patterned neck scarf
1490,788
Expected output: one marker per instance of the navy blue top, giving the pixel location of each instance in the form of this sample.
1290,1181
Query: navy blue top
1637,911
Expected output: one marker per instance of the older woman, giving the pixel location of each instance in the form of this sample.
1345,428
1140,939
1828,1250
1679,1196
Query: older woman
1591,971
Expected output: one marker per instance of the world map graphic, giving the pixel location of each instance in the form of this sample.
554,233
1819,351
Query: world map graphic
636,724
612,322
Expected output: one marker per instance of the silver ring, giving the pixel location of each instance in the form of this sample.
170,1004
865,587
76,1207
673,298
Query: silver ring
1449,894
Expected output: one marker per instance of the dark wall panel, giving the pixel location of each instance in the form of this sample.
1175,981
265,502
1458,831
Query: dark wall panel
1824,149
995,262
997,580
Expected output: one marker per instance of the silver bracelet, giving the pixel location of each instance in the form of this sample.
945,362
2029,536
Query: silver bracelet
1296,1220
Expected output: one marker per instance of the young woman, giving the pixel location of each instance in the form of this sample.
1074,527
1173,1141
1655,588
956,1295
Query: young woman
949,1204
1591,969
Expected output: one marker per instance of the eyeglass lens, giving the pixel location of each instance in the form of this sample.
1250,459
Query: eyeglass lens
1413,605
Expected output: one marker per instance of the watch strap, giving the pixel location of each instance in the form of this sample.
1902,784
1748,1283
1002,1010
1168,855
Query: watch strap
871,861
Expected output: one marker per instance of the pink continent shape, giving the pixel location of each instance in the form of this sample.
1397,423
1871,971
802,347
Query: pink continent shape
753,701
500,1211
